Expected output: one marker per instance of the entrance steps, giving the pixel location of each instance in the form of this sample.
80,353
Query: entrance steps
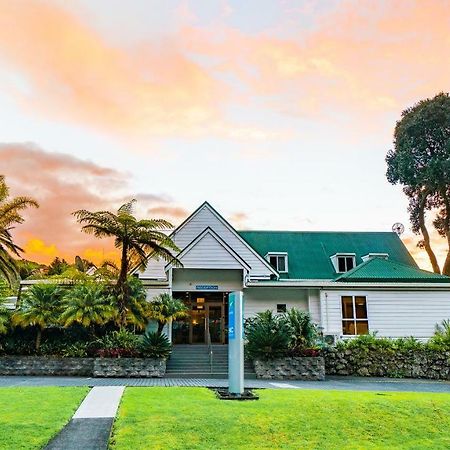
188,361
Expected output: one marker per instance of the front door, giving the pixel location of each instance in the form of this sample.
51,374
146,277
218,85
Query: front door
216,323
198,326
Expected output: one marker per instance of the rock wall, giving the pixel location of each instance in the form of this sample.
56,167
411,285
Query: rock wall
129,367
82,367
46,366
298,368
365,362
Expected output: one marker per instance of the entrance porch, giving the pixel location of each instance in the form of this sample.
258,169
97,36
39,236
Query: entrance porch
207,320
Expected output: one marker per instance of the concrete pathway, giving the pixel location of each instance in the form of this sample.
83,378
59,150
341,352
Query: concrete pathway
337,383
90,427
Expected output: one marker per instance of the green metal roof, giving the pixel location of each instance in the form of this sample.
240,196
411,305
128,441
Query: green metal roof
379,269
309,252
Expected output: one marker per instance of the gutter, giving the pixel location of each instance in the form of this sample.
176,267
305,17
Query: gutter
329,284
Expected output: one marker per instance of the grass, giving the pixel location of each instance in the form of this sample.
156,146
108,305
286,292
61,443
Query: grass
31,416
192,418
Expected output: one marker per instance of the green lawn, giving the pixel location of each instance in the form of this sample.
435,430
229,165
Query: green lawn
31,416
192,418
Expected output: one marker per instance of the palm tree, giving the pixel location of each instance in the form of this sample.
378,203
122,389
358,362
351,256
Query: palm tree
10,210
164,308
87,304
136,239
5,318
41,308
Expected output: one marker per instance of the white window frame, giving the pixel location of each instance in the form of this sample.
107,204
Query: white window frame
335,261
279,254
354,320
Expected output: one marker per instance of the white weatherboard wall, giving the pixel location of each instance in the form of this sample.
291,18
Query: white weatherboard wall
391,313
258,299
209,253
193,227
190,279
314,304
152,292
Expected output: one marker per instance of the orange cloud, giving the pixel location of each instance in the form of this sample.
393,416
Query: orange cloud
62,184
362,57
438,245
79,75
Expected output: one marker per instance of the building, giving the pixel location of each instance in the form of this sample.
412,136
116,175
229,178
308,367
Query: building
350,282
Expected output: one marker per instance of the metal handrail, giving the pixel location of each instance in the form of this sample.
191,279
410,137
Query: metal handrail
210,350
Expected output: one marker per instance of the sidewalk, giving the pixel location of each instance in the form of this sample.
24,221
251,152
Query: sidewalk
336,383
90,427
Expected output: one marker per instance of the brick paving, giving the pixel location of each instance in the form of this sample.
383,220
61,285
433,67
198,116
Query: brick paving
336,383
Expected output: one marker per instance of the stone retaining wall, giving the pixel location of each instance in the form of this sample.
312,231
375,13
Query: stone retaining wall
296,368
388,363
82,367
129,367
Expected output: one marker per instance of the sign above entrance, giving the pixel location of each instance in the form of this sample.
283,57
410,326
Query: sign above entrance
207,287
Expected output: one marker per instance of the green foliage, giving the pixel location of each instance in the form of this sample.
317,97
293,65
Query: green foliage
164,309
156,345
76,350
303,330
57,267
441,338
5,320
29,269
10,215
420,162
88,304
136,239
268,336
40,307
115,344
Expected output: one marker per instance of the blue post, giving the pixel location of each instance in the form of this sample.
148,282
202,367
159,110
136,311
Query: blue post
236,343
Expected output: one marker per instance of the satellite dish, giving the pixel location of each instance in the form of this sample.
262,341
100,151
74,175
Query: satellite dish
398,228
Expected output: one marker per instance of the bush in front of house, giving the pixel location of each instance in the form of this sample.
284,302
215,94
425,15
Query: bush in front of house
155,345
268,336
117,344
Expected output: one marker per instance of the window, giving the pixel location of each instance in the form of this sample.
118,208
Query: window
279,261
354,315
281,307
345,263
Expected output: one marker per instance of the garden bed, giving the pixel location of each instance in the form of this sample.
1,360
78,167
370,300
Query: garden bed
83,367
291,368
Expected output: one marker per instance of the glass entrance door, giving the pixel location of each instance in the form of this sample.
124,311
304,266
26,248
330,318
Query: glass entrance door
216,323
198,320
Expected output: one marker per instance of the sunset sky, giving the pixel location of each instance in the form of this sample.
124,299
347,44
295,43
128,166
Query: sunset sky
279,113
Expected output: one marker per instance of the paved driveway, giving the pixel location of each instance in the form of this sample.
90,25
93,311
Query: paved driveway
342,383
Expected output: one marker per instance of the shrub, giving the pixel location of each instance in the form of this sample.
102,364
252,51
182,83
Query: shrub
155,345
268,336
76,350
441,338
303,330
116,344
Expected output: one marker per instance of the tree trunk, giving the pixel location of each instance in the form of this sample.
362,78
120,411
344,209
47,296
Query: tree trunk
122,289
426,236
160,327
38,338
446,268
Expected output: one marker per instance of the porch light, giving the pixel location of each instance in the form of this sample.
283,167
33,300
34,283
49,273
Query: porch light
200,300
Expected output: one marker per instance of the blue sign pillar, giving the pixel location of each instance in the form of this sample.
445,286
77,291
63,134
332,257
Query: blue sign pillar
236,343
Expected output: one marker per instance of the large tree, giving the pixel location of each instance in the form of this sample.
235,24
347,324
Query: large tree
420,161
10,215
136,240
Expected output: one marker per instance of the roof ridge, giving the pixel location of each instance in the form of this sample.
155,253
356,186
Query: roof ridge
313,231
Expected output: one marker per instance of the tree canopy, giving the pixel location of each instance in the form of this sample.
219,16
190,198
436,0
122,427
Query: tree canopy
420,161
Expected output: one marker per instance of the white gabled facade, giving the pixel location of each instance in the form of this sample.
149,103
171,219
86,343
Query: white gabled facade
217,260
